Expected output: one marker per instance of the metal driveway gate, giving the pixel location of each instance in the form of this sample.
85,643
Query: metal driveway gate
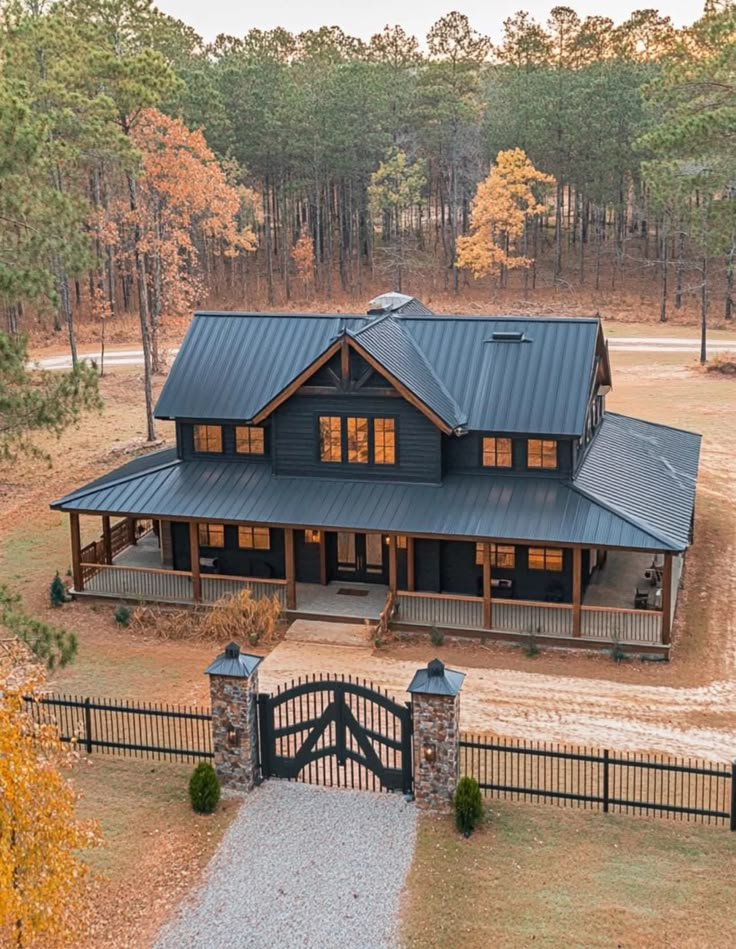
337,732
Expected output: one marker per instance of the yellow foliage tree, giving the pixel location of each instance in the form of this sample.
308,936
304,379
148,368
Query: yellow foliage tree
503,203
41,874
302,254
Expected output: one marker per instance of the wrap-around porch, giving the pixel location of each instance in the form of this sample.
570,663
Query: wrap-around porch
604,597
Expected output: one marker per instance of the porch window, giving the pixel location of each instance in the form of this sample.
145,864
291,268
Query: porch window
402,541
330,438
503,556
254,538
312,537
357,440
211,535
497,452
545,558
208,438
384,441
249,440
541,453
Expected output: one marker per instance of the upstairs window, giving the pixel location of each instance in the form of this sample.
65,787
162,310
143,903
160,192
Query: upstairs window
330,438
541,453
249,440
211,535
384,441
503,556
357,440
208,438
254,538
496,452
545,558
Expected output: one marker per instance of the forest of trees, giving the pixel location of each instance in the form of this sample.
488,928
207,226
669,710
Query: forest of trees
142,170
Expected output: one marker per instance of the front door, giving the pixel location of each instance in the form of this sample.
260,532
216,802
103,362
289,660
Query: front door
361,557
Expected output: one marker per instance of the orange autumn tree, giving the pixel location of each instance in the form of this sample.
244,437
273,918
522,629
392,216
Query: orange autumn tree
302,255
504,202
189,214
41,874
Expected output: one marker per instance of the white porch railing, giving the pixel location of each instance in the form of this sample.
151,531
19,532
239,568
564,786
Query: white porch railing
617,625
522,616
435,609
214,587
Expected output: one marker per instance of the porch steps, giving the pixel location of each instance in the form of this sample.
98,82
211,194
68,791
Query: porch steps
329,634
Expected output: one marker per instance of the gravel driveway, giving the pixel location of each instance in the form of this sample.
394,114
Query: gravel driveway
303,866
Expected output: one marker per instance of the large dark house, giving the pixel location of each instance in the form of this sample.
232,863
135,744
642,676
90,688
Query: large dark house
465,468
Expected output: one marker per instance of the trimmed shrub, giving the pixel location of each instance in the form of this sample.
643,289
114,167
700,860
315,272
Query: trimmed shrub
122,615
436,636
57,591
204,788
468,806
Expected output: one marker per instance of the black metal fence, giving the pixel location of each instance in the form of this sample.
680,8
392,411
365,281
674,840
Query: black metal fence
607,781
135,729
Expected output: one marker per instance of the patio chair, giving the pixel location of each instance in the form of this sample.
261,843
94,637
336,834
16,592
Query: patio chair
641,599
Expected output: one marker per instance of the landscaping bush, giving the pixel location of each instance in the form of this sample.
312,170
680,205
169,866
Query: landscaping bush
204,789
436,636
468,806
531,646
122,615
234,617
57,591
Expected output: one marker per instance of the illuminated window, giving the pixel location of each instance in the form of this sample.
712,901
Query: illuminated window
249,440
212,535
545,558
208,438
312,537
330,438
358,440
497,452
258,538
503,556
541,453
384,441
402,541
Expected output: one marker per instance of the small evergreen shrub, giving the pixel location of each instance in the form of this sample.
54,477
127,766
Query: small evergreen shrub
122,615
618,653
468,806
204,788
436,636
531,646
57,591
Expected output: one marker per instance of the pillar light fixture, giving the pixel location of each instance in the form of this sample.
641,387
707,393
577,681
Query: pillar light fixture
233,736
429,752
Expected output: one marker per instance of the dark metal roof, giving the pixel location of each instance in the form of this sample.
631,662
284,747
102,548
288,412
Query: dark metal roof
153,459
397,303
436,679
388,342
230,366
646,473
234,663
531,509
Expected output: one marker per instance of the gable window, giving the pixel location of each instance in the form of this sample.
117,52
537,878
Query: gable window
249,440
384,441
541,453
503,556
208,438
357,440
255,538
497,452
311,537
211,535
545,558
330,438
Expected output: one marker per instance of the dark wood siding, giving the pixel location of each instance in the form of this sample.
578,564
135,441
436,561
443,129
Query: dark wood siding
464,455
233,560
296,442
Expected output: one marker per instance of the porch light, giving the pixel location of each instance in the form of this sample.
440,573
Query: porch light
429,752
233,736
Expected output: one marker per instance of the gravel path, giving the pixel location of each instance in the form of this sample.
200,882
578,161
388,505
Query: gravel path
303,866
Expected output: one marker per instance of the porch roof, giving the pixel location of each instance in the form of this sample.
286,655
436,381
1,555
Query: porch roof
524,509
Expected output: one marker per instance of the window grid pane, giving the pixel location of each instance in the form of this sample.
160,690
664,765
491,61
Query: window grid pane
541,453
358,440
497,452
255,538
503,556
384,441
545,558
208,438
330,438
211,535
249,440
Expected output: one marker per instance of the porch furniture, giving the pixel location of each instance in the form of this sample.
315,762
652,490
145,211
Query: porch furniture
641,599
208,564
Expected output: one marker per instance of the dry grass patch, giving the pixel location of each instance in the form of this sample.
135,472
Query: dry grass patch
556,877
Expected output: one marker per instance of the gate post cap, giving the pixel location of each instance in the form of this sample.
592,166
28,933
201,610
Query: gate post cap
234,663
436,679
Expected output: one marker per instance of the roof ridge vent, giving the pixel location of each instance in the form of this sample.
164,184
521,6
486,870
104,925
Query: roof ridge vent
508,336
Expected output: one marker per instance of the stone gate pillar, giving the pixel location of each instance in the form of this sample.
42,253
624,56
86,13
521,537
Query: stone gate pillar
233,696
435,699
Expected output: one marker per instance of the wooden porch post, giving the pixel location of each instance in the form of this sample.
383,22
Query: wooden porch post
487,588
667,601
323,558
290,568
577,589
106,538
392,572
194,558
76,551
410,579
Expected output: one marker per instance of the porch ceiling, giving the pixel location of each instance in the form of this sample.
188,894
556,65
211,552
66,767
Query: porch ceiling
541,510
